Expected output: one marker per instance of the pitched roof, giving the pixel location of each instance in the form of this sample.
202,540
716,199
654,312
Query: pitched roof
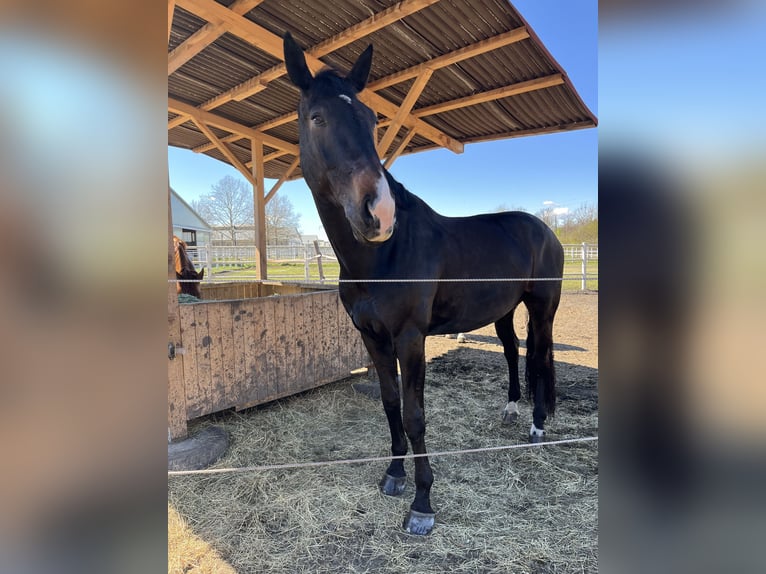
444,73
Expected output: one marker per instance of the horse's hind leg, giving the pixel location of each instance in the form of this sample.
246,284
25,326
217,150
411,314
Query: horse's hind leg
382,352
507,334
539,371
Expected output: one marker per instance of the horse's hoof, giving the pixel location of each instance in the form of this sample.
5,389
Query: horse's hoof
460,338
510,413
533,438
393,485
510,418
419,523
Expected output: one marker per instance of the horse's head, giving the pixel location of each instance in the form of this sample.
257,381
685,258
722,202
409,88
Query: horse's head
186,276
338,156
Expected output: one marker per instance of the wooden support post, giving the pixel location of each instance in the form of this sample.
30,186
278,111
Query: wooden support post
319,260
176,391
259,204
584,282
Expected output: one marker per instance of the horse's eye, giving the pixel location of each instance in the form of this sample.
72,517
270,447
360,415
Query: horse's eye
317,119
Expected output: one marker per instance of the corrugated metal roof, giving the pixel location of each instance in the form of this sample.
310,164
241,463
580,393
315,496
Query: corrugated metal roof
235,86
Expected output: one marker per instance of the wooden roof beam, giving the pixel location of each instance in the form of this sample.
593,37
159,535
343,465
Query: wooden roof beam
233,159
273,44
349,35
400,148
293,166
404,110
454,57
212,119
504,92
171,9
205,36
177,121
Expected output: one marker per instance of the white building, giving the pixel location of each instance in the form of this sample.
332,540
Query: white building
187,223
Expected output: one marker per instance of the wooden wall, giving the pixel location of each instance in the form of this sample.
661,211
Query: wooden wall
244,352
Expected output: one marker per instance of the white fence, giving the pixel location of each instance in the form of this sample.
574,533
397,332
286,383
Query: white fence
216,258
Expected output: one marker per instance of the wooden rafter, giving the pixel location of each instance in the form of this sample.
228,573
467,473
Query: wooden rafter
399,149
293,166
504,92
233,159
177,121
212,119
171,9
404,110
272,44
349,35
454,57
205,36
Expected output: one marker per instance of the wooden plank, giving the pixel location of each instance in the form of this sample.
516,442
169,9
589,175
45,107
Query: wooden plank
203,357
238,338
217,385
293,382
189,343
261,365
278,349
330,342
228,355
249,384
305,330
270,344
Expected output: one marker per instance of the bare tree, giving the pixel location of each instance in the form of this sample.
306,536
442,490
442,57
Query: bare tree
229,206
281,221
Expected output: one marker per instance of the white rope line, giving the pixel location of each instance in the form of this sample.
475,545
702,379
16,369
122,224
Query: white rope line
230,278
260,468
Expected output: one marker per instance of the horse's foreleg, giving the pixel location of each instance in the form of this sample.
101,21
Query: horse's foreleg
382,352
410,348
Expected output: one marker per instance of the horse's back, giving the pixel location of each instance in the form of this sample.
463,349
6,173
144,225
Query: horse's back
494,257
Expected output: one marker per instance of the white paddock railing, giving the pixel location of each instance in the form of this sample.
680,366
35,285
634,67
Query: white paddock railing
214,257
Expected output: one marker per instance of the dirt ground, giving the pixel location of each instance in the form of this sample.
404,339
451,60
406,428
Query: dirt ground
526,511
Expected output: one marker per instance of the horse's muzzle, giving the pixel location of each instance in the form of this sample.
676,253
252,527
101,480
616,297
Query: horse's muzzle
382,211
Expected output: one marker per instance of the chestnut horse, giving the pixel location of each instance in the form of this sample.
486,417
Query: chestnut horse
185,270
407,272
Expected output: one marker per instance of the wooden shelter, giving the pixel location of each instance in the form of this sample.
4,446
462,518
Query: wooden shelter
445,73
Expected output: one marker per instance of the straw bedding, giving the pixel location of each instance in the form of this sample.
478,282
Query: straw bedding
522,511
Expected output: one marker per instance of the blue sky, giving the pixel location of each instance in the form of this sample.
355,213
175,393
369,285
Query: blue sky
522,172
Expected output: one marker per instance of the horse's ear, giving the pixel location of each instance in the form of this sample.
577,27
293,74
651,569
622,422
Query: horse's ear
361,70
295,61
201,273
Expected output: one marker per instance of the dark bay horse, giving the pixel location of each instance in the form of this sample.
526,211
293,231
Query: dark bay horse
380,231
185,270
